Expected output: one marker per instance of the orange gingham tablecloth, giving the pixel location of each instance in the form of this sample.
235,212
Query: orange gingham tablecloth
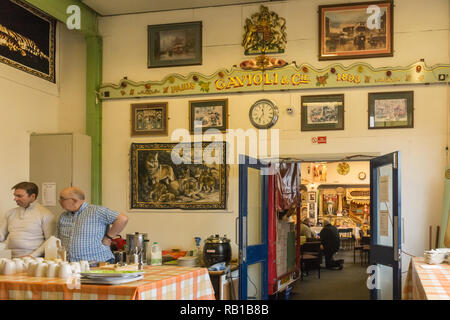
159,283
427,282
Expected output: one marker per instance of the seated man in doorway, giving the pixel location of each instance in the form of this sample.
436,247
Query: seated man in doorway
84,229
28,226
329,236
305,228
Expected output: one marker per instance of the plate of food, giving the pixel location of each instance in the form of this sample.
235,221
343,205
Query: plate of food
111,274
111,280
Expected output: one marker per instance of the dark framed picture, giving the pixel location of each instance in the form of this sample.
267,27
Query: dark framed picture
322,112
356,30
176,44
28,39
178,175
391,110
208,114
311,196
149,119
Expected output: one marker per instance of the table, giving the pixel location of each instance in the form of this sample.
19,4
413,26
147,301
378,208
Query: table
159,283
355,230
427,282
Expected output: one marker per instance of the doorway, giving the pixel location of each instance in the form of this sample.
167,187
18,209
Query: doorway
337,192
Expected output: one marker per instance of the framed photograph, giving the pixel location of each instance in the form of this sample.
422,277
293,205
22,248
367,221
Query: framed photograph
322,112
149,119
311,196
176,44
178,175
27,39
391,110
356,30
208,114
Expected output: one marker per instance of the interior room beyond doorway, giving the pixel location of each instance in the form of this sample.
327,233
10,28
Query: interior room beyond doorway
337,192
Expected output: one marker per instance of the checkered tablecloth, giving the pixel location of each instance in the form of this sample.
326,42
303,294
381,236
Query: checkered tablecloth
427,282
159,283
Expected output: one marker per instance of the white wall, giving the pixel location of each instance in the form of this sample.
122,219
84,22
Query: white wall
421,31
29,104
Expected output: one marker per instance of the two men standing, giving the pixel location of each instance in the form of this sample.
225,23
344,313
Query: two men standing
85,230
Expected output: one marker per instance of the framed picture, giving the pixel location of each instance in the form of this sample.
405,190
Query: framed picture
311,196
176,44
149,119
178,175
322,112
208,114
391,110
312,209
356,30
28,39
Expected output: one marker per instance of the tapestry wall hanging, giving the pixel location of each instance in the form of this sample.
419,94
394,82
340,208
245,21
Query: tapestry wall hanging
27,39
178,175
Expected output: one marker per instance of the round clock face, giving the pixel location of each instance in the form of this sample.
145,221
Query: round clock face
263,114
361,175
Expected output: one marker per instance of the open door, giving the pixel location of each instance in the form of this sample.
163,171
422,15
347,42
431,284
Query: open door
385,247
253,250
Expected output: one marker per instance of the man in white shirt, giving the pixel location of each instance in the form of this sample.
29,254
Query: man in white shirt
28,226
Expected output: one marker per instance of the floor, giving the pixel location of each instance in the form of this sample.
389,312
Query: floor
346,284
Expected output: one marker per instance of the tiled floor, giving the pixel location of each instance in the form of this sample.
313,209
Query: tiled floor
346,284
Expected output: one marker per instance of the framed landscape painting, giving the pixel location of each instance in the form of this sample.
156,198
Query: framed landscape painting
208,114
178,175
149,119
176,44
27,39
356,30
322,112
391,110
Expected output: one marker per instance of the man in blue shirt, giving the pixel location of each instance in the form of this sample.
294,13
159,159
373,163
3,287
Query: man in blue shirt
84,229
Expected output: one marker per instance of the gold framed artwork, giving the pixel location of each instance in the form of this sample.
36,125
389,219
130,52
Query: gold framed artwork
149,119
356,30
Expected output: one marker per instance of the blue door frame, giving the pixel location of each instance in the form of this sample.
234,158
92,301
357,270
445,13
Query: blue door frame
386,254
252,254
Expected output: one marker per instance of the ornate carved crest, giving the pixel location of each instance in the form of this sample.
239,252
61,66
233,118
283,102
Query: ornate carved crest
265,33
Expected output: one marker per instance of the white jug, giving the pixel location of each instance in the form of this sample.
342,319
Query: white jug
51,248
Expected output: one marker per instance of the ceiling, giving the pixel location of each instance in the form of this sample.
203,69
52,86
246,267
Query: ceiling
118,7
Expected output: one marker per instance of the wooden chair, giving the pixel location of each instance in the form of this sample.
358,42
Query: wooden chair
310,257
358,245
346,236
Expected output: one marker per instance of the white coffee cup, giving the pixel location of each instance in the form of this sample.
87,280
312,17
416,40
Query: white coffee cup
32,268
9,267
84,264
20,266
52,270
64,271
41,270
76,267
2,263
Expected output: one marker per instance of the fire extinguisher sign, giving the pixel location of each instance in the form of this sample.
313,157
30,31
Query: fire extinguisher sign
319,140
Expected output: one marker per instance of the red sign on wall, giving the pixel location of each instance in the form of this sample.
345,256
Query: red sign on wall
319,140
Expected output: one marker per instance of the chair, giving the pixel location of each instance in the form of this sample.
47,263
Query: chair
310,257
358,245
345,234
364,244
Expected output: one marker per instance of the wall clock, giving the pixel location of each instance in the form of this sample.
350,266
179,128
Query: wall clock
263,114
362,175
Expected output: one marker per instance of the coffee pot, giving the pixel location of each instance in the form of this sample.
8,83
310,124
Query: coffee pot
136,248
